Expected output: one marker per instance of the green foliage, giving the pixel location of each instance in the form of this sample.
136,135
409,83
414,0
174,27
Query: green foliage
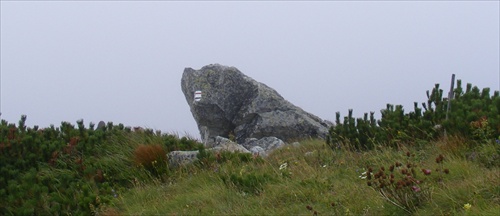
173,143
474,115
487,154
248,182
72,169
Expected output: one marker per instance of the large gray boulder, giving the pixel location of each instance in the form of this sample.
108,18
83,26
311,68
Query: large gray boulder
229,102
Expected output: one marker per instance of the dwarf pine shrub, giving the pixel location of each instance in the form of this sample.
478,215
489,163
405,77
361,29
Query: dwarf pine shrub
474,115
75,170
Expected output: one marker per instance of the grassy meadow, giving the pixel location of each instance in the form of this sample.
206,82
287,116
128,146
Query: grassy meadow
311,179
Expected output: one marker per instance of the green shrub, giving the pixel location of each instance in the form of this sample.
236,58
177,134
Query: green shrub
73,169
473,115
487,154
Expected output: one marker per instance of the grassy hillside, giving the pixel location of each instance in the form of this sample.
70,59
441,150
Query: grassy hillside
416,163
118,171
312,179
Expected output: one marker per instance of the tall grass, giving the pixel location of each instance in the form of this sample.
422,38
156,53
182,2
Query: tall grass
312,179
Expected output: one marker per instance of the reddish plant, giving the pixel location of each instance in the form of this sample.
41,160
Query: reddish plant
401,186
146,155
70,147
99,176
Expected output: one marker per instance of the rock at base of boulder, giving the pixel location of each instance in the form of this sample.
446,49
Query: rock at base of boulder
179,158
259,151
266,143
260,147
224,144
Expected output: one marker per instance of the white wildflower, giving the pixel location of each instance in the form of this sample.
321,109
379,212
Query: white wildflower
363,175
283,166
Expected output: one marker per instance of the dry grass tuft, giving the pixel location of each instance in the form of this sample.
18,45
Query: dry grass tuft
453,144
148,155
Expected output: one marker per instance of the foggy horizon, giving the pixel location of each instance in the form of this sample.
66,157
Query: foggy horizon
123,61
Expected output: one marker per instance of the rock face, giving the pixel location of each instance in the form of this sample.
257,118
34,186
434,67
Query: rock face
224,101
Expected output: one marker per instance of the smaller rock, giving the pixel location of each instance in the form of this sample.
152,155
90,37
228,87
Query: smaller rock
261,147
266,145
101,125
138,129
224,144
309,153
250,142
230,148
178,158
437,127
258,151
222,140
296,144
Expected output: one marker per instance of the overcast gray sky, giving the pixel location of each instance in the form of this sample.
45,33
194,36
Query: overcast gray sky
122,61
